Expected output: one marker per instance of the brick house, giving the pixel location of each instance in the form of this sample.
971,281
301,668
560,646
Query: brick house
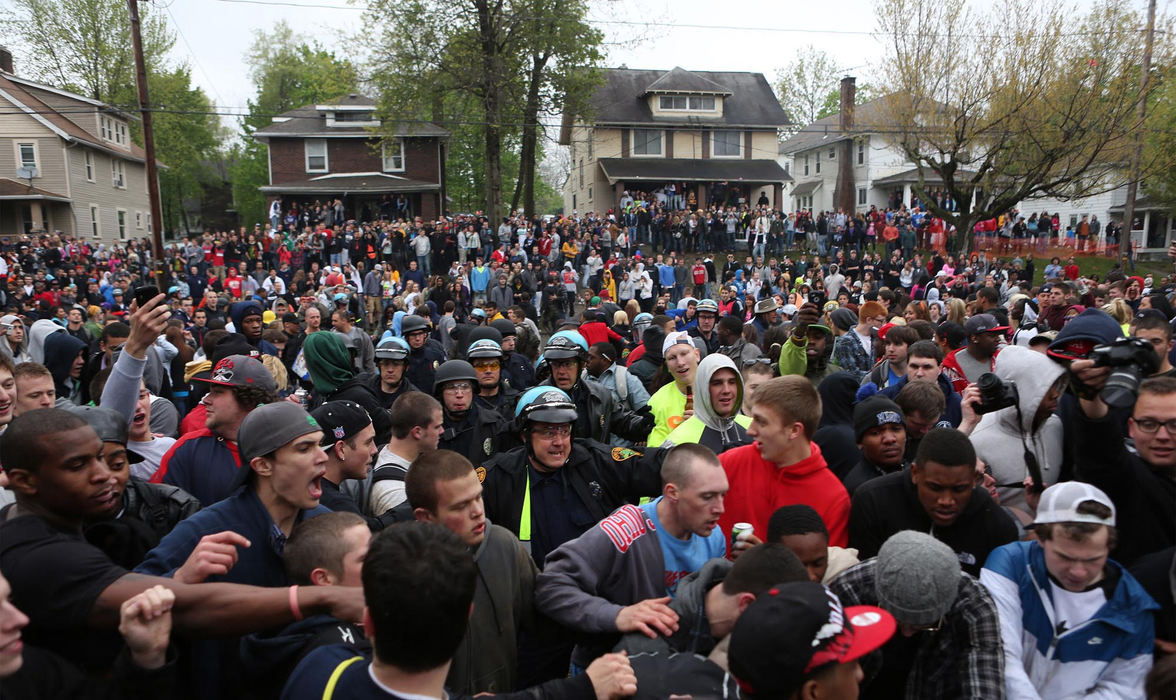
331,151
711,135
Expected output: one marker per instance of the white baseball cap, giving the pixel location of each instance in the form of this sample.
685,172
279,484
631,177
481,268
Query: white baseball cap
1059,504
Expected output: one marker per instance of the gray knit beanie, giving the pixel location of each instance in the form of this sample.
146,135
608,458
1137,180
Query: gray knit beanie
917,578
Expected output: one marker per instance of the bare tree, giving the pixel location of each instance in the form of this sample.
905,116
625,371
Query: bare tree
1025,99
804,84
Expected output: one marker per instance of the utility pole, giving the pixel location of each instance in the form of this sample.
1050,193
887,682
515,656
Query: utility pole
1137,155
148,141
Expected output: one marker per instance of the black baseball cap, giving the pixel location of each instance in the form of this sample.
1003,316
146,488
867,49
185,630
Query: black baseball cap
983,323
110,425
340,420
793,629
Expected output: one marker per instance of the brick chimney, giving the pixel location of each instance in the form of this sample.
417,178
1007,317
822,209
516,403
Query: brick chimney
845,191
6,60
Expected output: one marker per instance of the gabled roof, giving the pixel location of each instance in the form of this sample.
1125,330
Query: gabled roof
35,101
827,130
679,80
622,99
311,121
15,190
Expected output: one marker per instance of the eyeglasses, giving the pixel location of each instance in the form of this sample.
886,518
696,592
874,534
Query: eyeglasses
458,387
1151,425
757,361
486,364
553,431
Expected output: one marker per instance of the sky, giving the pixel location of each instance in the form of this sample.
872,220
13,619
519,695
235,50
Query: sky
214,35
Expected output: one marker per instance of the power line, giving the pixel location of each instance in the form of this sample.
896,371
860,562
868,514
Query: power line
192,52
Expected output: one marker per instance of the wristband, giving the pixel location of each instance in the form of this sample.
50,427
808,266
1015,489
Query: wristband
294,609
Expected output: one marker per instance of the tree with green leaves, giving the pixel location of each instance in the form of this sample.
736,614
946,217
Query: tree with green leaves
804,85
501,67
1020,100
287,73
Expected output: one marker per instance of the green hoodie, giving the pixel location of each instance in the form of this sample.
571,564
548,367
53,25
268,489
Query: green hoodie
327,360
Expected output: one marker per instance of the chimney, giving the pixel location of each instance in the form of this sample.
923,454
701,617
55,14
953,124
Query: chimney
848,92
6,60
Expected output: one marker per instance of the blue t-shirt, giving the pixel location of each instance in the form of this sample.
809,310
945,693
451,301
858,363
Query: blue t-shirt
684,557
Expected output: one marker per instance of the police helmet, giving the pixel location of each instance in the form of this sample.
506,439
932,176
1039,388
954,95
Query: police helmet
546,404
392,348
452,371
706,306
505,327
412,323
565,345
484,348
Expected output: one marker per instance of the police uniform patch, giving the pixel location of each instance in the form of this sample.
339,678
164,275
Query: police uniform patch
481,472
620,454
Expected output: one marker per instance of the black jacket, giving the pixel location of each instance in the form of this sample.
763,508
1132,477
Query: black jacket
270,658
356,390
603,478
886,505
598,417
1144,497
149,512
478,435
423,363
372,381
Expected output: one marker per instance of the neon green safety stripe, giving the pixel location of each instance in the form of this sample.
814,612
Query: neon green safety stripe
329,691
525,521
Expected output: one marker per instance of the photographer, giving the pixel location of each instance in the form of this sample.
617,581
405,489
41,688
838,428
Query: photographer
1140,483
1023,427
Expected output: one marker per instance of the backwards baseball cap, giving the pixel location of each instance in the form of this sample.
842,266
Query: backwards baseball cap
1059,504
676,338
982,323
239,370
271,426
340,420
874,412
793,629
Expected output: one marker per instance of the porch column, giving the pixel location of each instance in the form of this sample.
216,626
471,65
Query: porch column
701,195
778,196
906,195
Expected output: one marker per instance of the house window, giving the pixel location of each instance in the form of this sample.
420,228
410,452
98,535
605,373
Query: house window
861,153
117,177
316,155
832,154
647,142
26,155
104,127
728,143
90,166
573,201
818,162
591,135
581,173
120,133
122,224
392,153
95,227
806,165
138,219
861,195
353,117
682,102
589,194
112,130
148,221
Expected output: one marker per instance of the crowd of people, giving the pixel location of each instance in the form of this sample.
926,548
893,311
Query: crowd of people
600,456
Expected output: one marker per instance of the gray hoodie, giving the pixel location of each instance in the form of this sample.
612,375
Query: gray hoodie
997,438
693,634
706,427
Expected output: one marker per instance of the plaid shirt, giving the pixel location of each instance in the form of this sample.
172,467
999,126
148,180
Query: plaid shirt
964,659
850,355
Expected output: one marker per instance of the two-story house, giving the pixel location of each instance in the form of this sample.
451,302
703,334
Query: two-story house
698,137
67,163
332,151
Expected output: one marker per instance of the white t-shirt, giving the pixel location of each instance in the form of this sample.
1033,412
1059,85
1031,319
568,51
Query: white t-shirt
152,452
1072,609
867,342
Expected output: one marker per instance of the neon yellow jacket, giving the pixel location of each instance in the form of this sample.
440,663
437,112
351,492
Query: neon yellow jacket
667,404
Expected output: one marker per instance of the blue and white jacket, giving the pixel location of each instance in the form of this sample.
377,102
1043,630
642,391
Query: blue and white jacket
1108,656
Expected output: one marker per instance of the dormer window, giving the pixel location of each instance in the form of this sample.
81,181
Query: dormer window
351,117
686,103
113,130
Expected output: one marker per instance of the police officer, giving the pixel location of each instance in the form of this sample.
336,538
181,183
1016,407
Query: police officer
705,315
598,418
474,431
493,390
515,366
555,487
425,354
389,381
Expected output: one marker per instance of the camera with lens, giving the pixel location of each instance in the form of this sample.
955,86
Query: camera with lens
1132,360
995,394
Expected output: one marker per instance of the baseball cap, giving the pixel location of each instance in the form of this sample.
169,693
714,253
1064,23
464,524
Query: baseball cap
792,629
1059,504
676,338
289,318
110,425
875,411
340,420
240,370
790,310
270,426
982,323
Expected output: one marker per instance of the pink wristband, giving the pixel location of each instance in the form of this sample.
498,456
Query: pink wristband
294,609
